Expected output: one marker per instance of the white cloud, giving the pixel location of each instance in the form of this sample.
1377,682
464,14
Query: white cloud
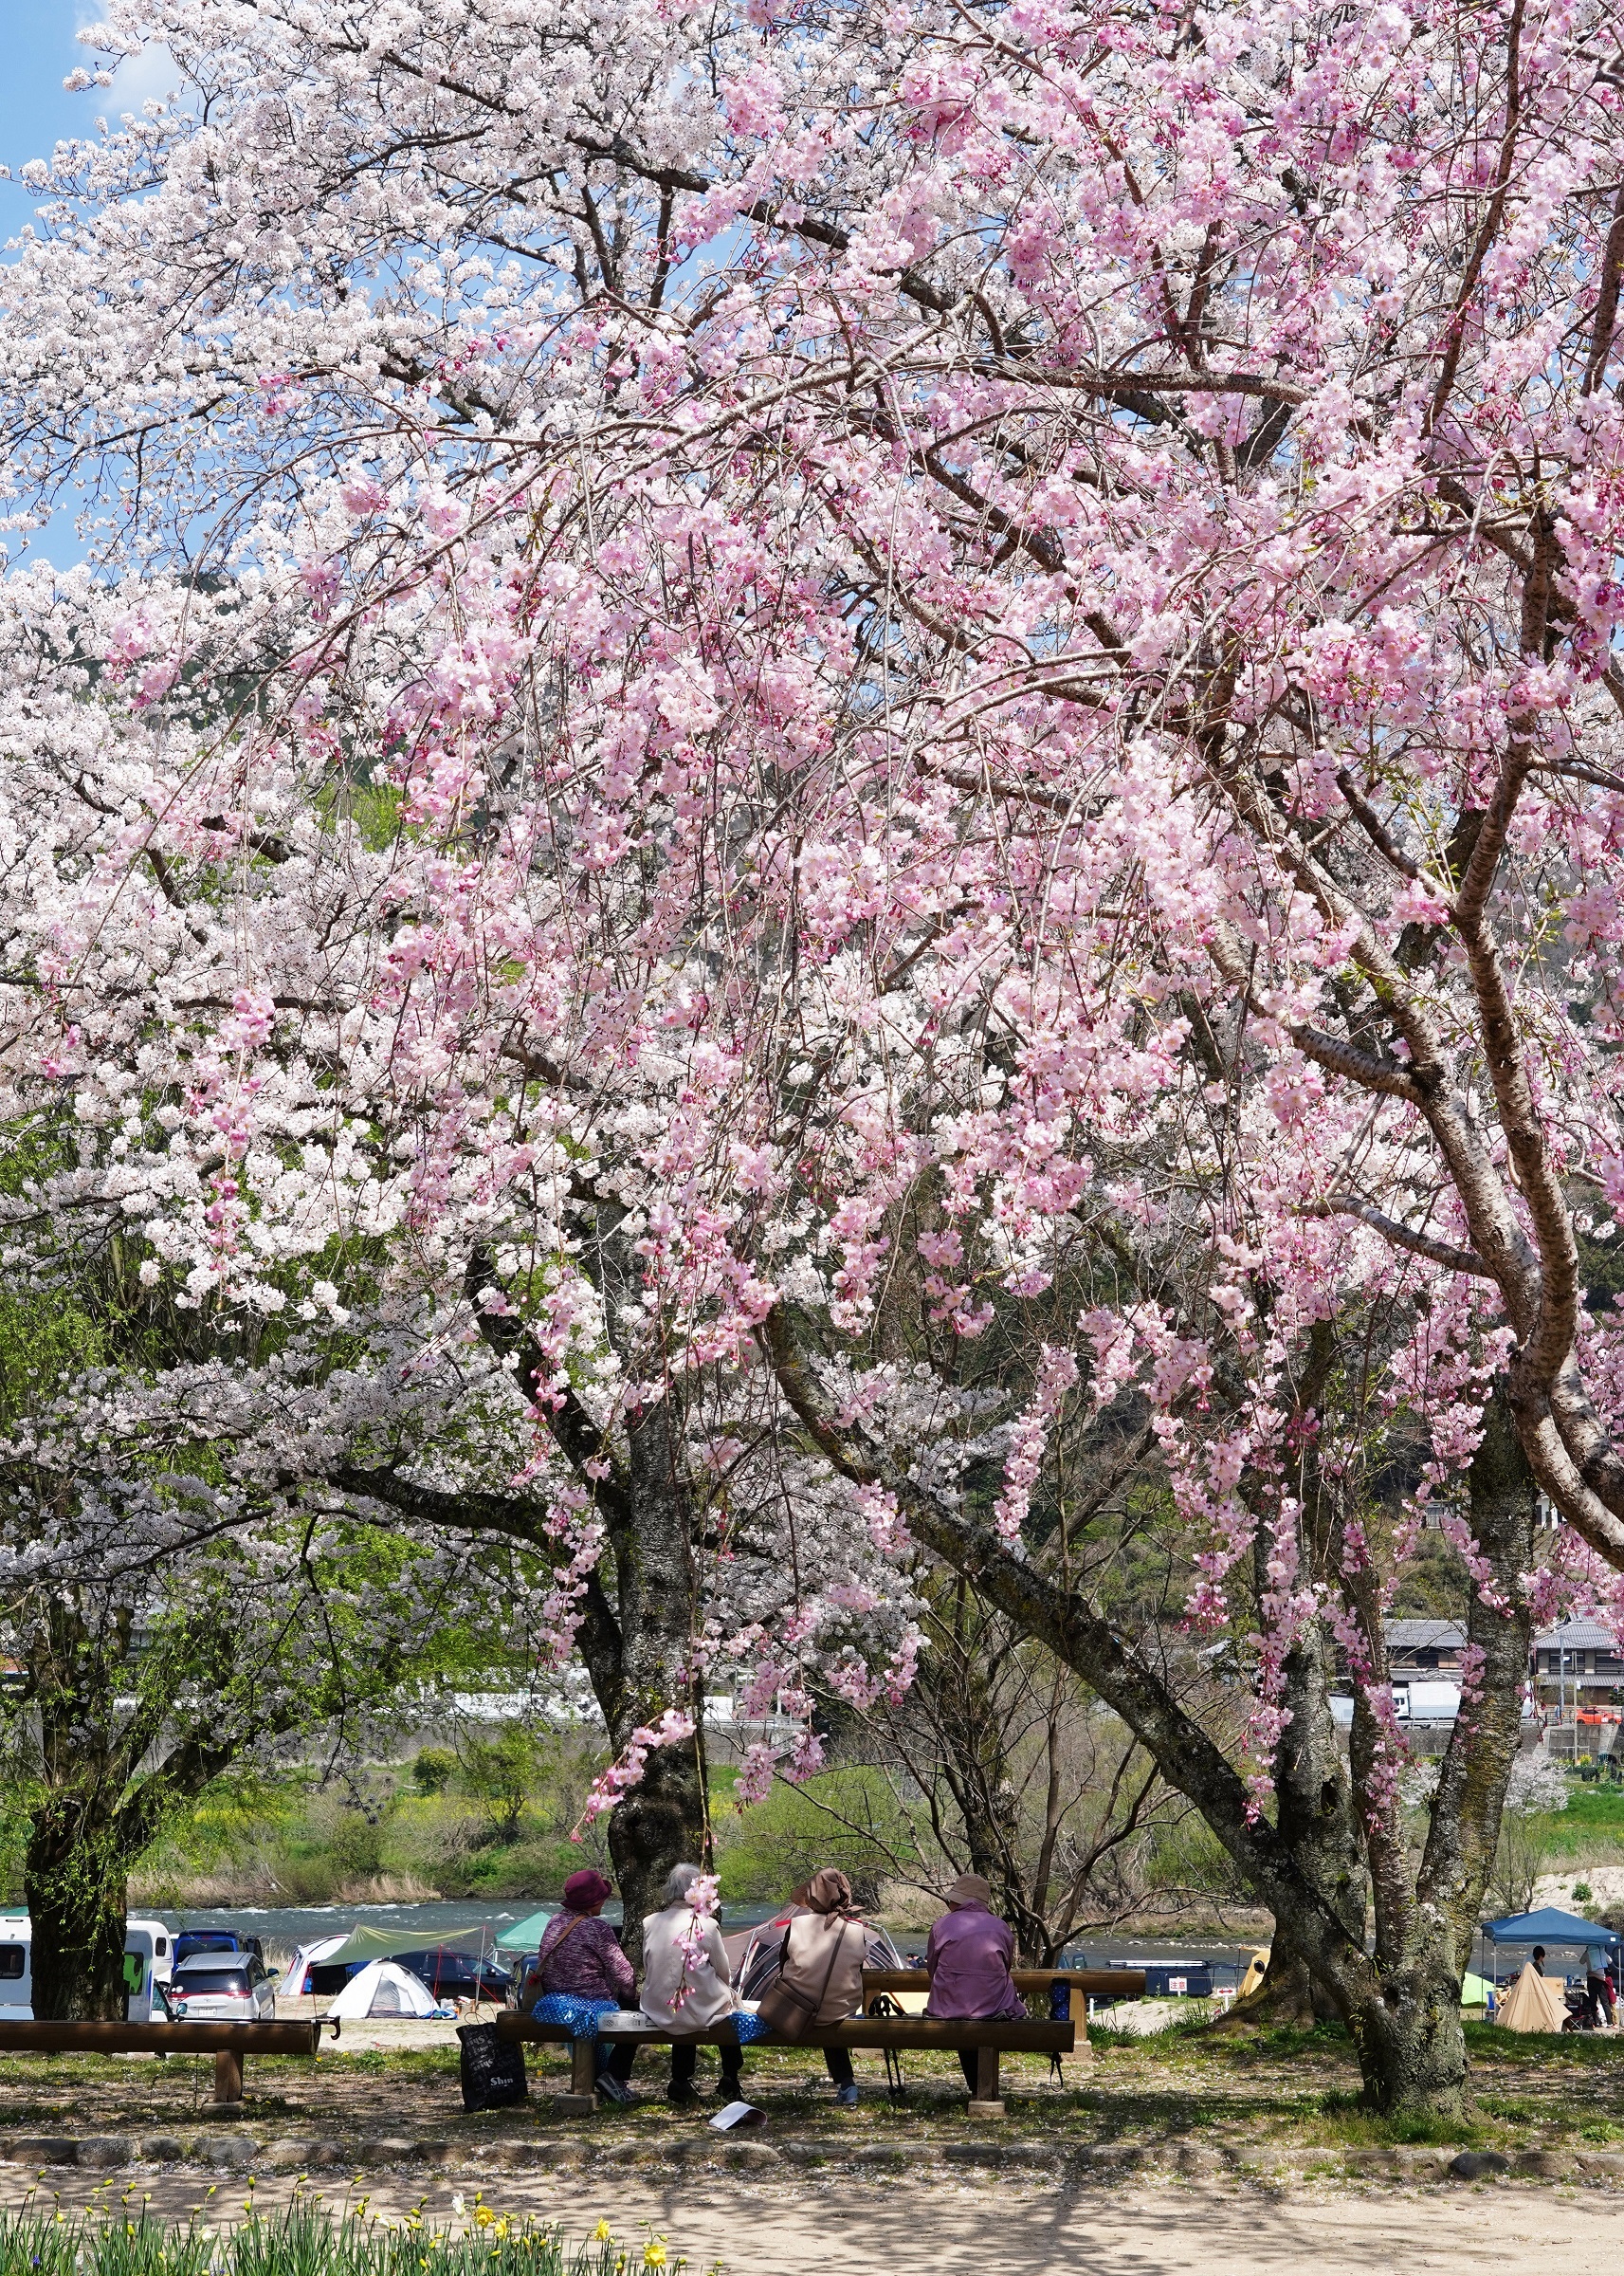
153,76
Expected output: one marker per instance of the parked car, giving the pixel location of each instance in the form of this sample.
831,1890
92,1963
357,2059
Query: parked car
222,1987
451,1974
215,1939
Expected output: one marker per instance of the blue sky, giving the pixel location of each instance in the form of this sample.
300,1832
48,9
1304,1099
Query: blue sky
38,50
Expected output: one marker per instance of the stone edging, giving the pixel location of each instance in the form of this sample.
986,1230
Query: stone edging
240,2152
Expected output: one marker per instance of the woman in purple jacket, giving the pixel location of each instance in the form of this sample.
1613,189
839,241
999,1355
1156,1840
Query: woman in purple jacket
585,1974
968,1963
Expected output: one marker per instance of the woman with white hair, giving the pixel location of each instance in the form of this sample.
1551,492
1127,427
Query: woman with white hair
688,1985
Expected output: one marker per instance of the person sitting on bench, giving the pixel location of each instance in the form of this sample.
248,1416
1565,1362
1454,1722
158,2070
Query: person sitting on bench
824,1951
967,1959
585,1975
688,1985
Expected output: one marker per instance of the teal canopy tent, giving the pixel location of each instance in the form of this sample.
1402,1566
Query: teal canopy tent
525,1936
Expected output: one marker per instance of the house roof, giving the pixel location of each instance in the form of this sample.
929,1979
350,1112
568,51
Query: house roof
1412,1635
1431,1635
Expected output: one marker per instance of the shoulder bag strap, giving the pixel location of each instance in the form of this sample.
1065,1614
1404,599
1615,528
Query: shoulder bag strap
553,1949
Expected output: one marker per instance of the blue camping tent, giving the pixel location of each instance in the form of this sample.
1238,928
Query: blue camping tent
1553,1928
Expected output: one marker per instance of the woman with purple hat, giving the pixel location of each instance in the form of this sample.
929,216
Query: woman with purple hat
586,1976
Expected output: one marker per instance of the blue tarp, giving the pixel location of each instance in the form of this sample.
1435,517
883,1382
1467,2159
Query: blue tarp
1549,1926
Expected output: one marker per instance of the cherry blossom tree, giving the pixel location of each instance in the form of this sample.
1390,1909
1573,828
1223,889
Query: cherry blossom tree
981,648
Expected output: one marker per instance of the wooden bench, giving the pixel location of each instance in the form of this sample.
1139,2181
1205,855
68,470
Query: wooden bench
1010,2035
1098,1983
227,2042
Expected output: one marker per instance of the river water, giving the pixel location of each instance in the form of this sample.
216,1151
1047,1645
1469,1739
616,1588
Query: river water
281,1927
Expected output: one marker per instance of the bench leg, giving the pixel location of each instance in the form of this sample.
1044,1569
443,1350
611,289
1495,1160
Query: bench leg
581,2100
228,2076
986,2102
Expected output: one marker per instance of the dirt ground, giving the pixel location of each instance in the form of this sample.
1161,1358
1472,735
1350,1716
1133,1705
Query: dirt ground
993,2228
1292,2089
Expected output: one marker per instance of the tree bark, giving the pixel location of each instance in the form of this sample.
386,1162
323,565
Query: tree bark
74,1879
1286,1997
662,1821
636,1640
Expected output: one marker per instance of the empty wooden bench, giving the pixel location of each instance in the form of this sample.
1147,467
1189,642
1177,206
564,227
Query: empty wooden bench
999,2036
1082,1983
227,2042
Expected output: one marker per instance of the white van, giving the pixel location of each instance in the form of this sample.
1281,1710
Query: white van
149,1957
1426,1703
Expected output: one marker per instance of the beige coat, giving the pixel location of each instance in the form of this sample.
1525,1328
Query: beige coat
709,1995
809,1944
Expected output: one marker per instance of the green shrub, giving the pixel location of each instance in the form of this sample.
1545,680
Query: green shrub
433,1770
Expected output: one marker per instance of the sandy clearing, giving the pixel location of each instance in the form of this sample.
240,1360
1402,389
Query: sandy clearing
983,2229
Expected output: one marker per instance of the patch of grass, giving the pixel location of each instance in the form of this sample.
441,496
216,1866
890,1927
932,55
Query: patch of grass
1102,2035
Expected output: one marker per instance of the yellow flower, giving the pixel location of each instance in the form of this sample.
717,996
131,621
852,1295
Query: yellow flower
603,2235
654,2253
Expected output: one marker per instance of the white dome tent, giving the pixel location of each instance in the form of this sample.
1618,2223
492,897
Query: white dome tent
381,1988
296,1981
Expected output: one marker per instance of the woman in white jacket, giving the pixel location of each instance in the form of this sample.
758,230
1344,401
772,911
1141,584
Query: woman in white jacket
688,1985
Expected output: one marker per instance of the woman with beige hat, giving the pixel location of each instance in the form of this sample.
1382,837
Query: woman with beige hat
824,1952
968,1963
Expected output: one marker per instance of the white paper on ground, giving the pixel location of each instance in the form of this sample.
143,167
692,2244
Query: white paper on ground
739,2114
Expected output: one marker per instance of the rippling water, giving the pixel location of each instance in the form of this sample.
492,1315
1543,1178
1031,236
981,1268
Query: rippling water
283,1926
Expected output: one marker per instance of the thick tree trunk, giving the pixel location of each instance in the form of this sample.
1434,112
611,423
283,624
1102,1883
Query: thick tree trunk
662,1821
74,1881
1412,2050
637,1634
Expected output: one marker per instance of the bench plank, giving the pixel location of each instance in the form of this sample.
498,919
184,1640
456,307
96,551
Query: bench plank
1014,2035
1098,1983
58,2038
990,2037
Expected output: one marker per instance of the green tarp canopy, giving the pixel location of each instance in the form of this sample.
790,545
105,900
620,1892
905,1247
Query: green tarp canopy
364,1943
525,1936
1474,1991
